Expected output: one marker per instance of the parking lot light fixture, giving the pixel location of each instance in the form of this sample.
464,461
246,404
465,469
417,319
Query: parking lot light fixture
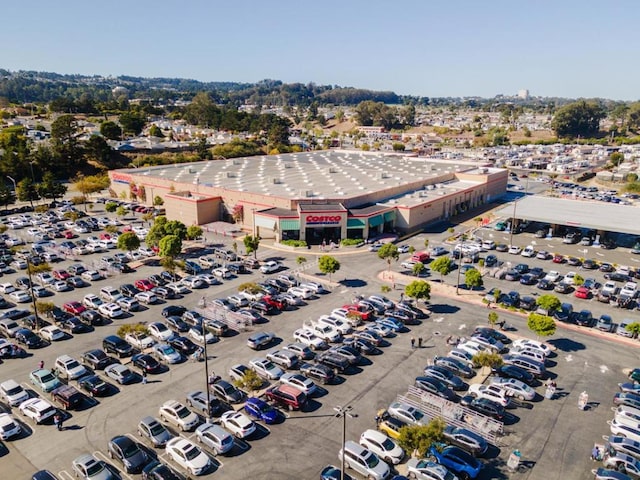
343,412
206,363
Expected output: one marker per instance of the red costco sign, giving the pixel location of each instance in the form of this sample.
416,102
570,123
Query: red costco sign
323,220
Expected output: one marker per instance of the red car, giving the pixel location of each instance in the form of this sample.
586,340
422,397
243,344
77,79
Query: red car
359,310
75,308
105,236
60,274
68,234
274,302
583,292
557,258
144,285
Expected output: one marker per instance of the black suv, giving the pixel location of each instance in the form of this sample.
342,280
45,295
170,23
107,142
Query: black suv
115,344
318,371
337,362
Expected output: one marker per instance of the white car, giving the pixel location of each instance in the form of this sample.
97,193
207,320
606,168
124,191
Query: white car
128,304
533,344
45,278
472,347
553,276
110,310
92,301
407,413
307,337
140,340
381,445
266,368
91,276
147,252
178,288
13,393
300,292
570,278
146,298
338,320
270,267
629,289
20,296
326,332
490,392
514,250
222,272
177,414
199,335
299,381
68,367
51,333
238,424
8,427
609,287
188,455
37,409
160,331
193,282
528,252
209,279
515,388
61,286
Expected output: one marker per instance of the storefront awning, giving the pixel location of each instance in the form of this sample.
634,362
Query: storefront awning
355,223
375,221
265,222
389,216
289,225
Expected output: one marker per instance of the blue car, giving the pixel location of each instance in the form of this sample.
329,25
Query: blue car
457,460
261,410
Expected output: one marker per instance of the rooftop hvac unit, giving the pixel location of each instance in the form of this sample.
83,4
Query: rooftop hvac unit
308,193
332,170
275,180
422,193
288,165
191,170
229,175
484,170
237,162
381,175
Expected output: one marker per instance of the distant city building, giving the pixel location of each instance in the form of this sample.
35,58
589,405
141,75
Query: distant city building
523,94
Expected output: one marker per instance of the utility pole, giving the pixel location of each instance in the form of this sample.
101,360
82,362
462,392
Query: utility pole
343,412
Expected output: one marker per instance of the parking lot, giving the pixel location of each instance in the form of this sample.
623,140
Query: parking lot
553,435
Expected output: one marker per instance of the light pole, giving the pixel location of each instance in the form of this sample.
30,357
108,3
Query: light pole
343,412
15,186
33,297
206,362
33,177
460,255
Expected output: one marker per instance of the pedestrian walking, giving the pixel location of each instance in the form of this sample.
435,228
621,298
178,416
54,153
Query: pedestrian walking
57,420
41,364
595,453
419,342
144,377
413,342
401,297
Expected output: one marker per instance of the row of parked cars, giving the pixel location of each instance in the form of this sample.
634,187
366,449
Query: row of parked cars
620,453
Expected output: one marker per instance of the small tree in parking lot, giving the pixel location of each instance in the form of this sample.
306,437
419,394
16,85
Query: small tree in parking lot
250,287
110,207
487,359
473,279
419,438
44,308
249,381
388,252
442,265
127,328
35,269
128,241
251,244
328,265
492,318
549,303
121,211
418,290
418,268
301,260
634,329
541,325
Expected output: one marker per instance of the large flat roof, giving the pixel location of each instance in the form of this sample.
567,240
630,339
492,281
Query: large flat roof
576,213
331,174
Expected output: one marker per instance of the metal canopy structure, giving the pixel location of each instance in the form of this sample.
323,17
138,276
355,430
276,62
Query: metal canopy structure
576,213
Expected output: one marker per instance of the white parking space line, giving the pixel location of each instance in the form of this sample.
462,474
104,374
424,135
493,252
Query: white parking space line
64,475
101,456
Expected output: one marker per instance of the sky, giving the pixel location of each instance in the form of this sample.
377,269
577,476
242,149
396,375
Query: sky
563,48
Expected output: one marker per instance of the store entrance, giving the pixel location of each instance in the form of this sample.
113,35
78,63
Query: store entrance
315,236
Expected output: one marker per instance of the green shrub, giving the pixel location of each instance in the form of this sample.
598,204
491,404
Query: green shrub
294,243
349,242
